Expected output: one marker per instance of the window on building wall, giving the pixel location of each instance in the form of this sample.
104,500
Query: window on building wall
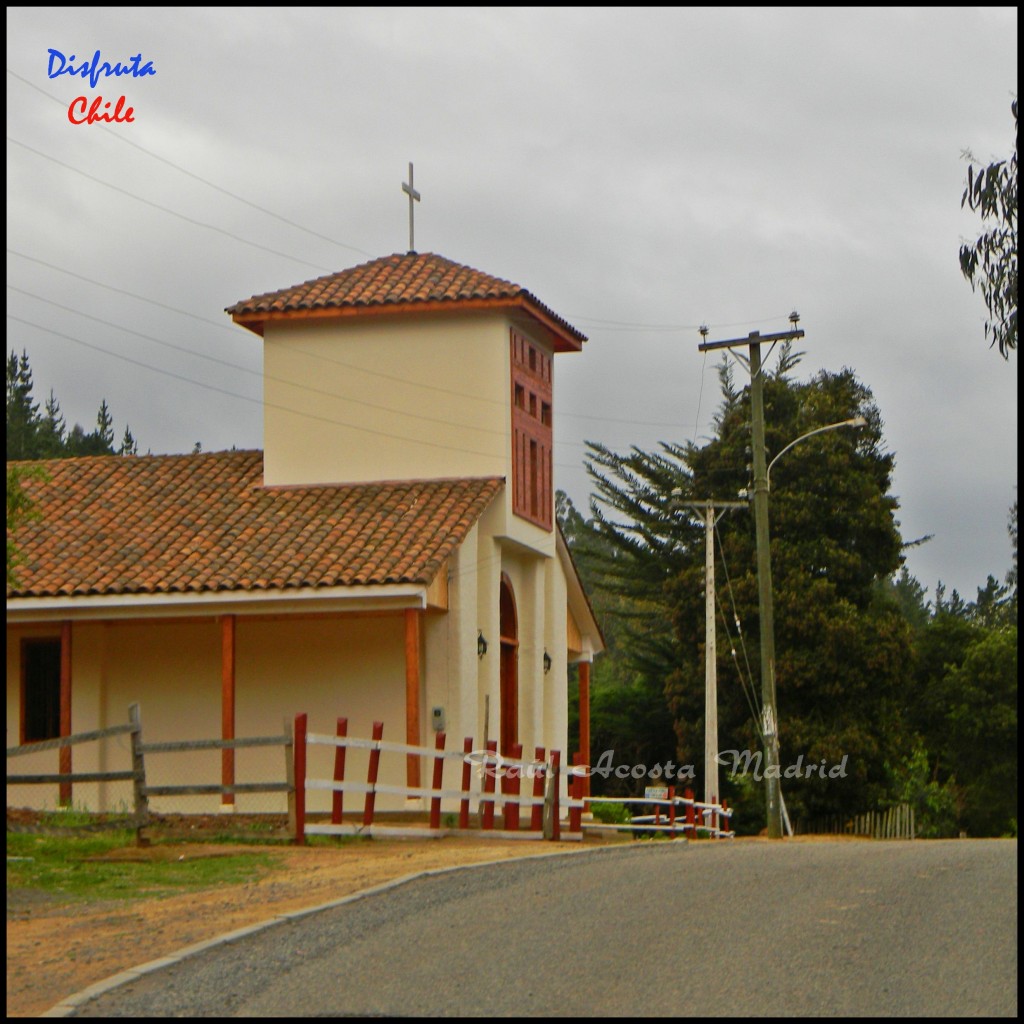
40,690
532,492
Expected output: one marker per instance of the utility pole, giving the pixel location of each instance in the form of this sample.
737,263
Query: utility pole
769,723
712,794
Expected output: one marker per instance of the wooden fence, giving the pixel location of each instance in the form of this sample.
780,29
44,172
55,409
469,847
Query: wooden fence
526,793
893,823
200,789
525,790
136,775
697,818
141,790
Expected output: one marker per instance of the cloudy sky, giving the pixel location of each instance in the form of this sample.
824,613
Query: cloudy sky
641,171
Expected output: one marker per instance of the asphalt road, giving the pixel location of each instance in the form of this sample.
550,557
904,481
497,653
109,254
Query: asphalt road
652,929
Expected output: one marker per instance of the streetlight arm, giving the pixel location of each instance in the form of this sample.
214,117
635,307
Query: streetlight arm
857,421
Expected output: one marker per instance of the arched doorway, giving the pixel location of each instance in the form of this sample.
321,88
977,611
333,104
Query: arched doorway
509,629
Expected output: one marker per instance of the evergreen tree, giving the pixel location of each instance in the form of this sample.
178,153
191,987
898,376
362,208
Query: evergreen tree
129,446
35,435
22,411
50,441
843,654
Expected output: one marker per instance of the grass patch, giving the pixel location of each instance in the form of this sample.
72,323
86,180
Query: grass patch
64,867
336,841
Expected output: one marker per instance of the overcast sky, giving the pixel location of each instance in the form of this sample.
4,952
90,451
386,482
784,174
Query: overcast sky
640,171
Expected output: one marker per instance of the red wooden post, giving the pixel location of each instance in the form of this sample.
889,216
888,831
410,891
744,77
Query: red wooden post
490,769
537,815
726,822
583,674
467,749
435,801
672,810
556,810
227,711
512,785
576,813
64,711
371,775
691,823
412,694
337,803
300,779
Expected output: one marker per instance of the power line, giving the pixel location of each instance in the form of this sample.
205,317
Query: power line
165,209
406,438
122,138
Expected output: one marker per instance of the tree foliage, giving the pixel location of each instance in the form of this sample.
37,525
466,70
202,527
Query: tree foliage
990,263
43,434
841,652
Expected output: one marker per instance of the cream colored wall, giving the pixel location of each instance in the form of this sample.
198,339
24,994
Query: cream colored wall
171,669
556,700
352,400
330,667
351,667
378,398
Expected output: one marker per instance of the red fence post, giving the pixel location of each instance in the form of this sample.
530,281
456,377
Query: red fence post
300,779
726,822
490,770
672,810
511,786
337,803
467,749
435,801
691,815
576,813
556,810
371,775
537,814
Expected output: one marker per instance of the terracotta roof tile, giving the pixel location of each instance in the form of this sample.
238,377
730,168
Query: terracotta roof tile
399,280
189,523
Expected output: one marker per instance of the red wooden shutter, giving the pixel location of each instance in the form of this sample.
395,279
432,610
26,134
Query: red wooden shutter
532,494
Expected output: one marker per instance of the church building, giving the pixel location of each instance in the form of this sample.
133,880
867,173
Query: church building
392,553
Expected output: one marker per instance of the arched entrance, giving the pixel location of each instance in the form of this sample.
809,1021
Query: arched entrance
509,629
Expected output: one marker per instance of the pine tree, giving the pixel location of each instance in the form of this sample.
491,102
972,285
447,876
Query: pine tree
22,411
52,428
843,654
129,446
35,435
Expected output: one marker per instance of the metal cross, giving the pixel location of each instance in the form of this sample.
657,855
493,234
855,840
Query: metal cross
413,195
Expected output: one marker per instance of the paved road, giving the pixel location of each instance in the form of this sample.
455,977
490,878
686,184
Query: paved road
704,929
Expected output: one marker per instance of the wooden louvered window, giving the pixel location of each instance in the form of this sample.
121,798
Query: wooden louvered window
532,494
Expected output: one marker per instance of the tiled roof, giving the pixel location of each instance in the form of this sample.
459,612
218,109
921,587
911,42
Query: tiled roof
190,523
399,280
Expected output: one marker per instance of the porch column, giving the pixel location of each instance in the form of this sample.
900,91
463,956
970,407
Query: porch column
412,693
227,708
64,789
584,673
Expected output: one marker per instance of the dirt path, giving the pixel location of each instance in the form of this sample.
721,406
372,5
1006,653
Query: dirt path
55,950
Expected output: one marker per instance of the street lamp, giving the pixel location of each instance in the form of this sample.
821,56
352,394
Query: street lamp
857,421
770,721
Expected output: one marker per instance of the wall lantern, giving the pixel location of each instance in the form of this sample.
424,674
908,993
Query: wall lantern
481,645
547,663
